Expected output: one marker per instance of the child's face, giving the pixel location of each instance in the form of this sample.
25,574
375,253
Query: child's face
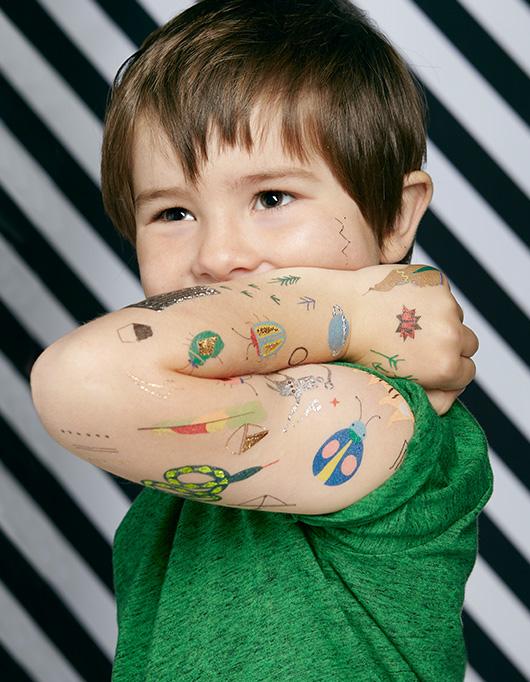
250,212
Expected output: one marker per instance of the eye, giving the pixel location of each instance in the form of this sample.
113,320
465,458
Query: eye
273,198
174,213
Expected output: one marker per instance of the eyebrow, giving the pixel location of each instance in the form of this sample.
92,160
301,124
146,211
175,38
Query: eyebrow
253,179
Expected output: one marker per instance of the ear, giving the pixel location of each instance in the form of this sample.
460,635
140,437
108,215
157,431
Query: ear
417,194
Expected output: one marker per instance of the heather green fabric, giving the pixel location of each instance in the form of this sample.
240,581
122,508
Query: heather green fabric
372,592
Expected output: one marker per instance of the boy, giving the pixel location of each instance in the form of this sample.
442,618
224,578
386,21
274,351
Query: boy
265,159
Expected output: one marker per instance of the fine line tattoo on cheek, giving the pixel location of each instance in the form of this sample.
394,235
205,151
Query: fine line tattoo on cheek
341,233
340,456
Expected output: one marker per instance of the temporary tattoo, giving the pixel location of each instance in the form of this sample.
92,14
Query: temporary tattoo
402,411
342,235
205,345
207,491
266,337
247,440
393,363
231,417
247,294
408,323
233,381
308,302
335,402
338,330
223,286
424,276
89,448
88,435
254,286
340,456
298,356
148,387
295,387
162,301
134,332
285,280
401,456
314,406
275,299
264,501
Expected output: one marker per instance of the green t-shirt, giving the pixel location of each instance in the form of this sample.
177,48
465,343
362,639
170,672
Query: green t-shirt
372,592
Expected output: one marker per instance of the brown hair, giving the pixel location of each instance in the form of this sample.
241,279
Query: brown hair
340,88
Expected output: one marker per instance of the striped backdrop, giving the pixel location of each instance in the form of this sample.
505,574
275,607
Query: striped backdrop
62,264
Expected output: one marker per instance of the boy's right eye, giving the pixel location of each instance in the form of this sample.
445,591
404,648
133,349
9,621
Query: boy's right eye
174,213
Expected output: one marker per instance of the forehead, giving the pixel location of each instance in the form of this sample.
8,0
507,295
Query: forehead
155,161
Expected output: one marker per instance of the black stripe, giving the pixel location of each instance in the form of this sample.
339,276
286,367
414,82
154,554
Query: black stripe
60,52
130,17
490,181
57,504
11,670
482,51
22,351
488,661
475,282
46,263
62,170
49,612
504,558
507,441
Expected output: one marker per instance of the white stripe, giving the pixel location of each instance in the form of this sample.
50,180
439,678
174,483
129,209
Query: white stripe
509,24
29,646
95,493
57,562
30,302
164,10
480,229
94,33
472,675
51,97
463,90
509,506
500,372
501,615
96,265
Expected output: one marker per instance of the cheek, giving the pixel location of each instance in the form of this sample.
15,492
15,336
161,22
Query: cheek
328,242
159,267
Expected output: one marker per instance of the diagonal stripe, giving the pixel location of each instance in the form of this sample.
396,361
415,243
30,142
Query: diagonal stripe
496,188
87,255
500,614
492,302
49,612
37,27
48,152
481,51
57,562
509,507
49,95
45,263
508,22
472,675
102,41
9,666
29,646
470,98
93,491
507,379
479,228
485,657
57,504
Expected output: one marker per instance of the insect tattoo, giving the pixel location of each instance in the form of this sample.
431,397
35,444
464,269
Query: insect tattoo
266,337
340,456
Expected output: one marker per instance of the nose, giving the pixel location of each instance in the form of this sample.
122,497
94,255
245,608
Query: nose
226,250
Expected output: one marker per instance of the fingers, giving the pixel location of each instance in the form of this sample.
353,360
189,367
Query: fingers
470,342
442,401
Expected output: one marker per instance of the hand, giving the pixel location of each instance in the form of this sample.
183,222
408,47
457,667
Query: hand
408,324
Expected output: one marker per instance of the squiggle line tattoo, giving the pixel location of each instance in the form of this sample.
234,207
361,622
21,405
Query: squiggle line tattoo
340,232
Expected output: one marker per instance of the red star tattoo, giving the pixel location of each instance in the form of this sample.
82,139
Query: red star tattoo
408,323
334,402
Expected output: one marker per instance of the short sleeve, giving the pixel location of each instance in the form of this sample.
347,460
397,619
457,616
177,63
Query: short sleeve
444,480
